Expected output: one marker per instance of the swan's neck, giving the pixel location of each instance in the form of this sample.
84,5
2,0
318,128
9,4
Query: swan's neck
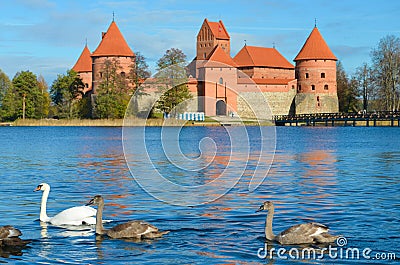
99,220
43,214
268,225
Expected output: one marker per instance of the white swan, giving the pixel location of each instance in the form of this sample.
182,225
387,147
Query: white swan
77,215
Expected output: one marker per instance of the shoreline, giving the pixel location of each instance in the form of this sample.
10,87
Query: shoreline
121,123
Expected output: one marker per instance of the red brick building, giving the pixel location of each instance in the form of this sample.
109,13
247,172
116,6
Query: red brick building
91,66
257,76
256,81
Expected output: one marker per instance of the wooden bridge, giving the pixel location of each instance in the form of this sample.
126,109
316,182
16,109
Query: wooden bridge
381,118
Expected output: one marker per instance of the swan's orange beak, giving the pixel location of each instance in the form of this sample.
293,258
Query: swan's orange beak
39,187
260,209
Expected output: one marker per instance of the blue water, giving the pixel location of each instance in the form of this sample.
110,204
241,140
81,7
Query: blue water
346,178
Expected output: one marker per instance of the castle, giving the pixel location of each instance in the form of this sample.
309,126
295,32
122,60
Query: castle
225,85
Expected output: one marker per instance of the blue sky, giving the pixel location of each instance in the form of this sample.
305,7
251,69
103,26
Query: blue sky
47,36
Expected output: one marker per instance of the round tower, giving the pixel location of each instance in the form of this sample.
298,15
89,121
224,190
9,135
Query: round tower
316,77
112,47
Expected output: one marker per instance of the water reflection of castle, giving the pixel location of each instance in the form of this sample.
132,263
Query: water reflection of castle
218,81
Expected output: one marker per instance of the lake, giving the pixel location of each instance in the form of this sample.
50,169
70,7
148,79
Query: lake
194,182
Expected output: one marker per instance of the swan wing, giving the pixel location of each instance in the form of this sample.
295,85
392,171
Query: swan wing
74,216
302,233
131,229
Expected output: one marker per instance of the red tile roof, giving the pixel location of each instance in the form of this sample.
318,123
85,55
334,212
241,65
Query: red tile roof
113,44
84,63
218,29
315,48
250,56
220,56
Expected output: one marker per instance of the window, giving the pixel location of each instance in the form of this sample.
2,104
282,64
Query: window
312,87
322,75
326,87
307,76
123,74
299,87
292,86
221,81
205,55
101,74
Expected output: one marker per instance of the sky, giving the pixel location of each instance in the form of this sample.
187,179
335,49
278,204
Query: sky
46,37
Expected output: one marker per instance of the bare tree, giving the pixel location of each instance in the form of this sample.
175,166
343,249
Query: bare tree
386,64
365,83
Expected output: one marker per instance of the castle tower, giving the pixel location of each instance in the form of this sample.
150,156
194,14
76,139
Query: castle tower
210,35
84,68
112,46
316,77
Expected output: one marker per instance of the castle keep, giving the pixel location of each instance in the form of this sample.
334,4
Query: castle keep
256,79
90,66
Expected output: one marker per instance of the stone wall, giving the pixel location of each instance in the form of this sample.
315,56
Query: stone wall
308,103
264,105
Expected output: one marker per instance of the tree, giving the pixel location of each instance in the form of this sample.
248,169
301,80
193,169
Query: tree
171,57
65,92
386,65
172,76
25,98
138,74
44,103
346,90
365,83
113,94
139,71
5,93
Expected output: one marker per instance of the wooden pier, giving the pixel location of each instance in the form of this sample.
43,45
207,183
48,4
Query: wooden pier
381,118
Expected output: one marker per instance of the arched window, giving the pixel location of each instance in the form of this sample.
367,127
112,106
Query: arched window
326,87
312,87
221,81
